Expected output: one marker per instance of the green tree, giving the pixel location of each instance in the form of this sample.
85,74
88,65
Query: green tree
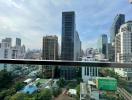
56,91
19,85
5,79
18,96
61,82
79,80
71,85
6,93
38,84
44,95
78,90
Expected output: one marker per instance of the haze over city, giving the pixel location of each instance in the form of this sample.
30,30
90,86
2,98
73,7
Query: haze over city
30,20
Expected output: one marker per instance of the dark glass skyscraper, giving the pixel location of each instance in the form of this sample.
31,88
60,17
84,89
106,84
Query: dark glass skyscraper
118,21
68,31
71,44
18,42
103,45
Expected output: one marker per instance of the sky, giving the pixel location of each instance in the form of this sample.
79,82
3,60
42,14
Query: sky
30,20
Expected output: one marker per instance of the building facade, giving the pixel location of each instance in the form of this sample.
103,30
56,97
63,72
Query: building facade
89,73
111,52
70,44
123,49
68,31
18,42
49,52
118,21
7,51
103,45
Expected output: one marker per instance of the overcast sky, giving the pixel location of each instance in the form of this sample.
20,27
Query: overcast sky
30,20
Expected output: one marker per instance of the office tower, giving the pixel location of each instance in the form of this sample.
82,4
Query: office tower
103,45
68,31
71,44
18,42
118,21
77,46
111,51
123,49
49,52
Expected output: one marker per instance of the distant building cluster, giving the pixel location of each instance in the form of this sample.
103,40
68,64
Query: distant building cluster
33,54
120,45
8,51
119,49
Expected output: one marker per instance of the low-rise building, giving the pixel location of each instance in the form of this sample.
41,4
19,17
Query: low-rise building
89,73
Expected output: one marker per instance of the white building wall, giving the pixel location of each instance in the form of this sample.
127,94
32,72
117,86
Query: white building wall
125,55
89,73
20,54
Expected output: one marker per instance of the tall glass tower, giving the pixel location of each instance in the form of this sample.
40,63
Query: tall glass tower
70,45
103,45
118,21
68,31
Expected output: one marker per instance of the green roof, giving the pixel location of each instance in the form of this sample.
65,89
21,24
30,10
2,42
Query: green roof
108,84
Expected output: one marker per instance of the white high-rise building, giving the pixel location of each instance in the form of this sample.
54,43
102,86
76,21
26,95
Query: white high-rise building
7,51
89,73
123,49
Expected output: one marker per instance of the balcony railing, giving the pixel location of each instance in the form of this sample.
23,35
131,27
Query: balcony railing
67,63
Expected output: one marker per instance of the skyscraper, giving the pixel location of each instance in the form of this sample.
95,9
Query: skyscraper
49,52
103,45
123,49
68,31
18,42
111,52
77,46
71,44
118,21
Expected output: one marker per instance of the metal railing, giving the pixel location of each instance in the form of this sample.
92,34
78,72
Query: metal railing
67,63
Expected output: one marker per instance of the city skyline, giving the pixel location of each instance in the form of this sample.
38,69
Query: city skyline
33,19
